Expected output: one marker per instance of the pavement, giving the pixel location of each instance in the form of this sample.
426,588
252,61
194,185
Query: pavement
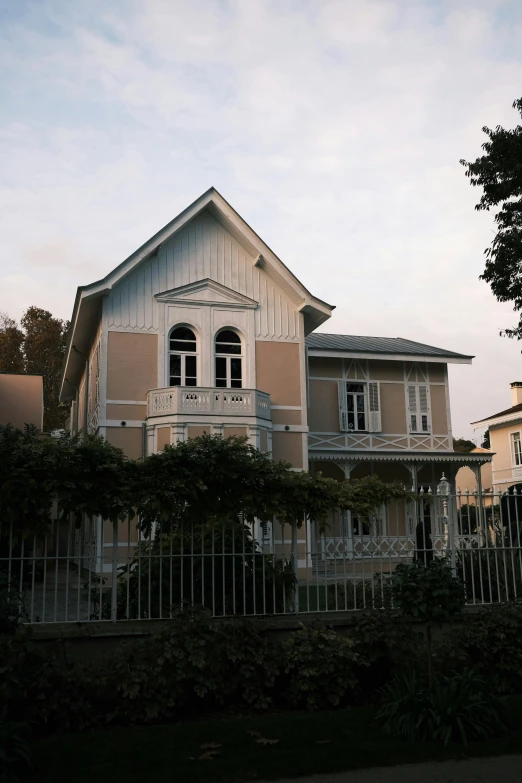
498,769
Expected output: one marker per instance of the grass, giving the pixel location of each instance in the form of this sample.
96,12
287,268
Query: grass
308,743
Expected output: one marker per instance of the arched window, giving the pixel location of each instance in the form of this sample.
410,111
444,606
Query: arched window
183,360
229,362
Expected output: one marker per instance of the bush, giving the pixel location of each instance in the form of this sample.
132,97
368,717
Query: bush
15,749
488,641
218,567
196,663
461,708
320,667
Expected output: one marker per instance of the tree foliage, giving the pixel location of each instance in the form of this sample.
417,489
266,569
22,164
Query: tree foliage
463,445
37,346
206,480
499,173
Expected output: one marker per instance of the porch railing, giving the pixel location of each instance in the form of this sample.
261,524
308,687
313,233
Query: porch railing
208,400
105,571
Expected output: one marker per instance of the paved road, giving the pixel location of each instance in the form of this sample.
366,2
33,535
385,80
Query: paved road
500,769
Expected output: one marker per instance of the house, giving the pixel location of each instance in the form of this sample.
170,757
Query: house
505,434
21,399
205,330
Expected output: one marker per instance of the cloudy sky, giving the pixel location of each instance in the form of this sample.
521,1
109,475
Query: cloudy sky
334,127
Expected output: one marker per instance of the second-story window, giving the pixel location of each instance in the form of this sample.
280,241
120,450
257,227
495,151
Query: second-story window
516,448
229,361
183,360
356,406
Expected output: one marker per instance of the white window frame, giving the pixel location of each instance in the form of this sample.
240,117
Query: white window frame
378,525
183,355
372,406
229,357
420,409
514,451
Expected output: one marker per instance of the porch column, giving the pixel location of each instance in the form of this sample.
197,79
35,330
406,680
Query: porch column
413,470
347,515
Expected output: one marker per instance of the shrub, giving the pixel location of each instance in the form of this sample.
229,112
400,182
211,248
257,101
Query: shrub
489,641
429,593
320,667
195,663
218,567
15,749
460,708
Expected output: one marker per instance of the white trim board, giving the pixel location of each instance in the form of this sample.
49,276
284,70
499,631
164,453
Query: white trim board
389,357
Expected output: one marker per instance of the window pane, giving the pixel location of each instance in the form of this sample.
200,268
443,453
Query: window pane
355,388
361,424
228,336
182,333
175,380
425,424
360,402
190,366
414,423
175,364
189,382
221,369
227,348
235,384
351,420
349,403
221,383
235,369
178,345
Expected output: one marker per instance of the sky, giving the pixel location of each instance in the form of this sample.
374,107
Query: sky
334,127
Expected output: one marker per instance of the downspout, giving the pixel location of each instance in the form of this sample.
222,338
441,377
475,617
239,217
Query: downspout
77,399
86,396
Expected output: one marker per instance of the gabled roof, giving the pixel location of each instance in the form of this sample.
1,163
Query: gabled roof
379,347
510,414
87,304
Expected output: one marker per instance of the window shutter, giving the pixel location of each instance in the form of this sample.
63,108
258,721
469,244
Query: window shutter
424,409
374,408
412,408
343,407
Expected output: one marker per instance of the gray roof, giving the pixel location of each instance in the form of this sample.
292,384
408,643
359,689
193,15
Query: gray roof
349,343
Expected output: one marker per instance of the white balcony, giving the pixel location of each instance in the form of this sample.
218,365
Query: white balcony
207,400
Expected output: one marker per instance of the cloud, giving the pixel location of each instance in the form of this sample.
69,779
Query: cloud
335,127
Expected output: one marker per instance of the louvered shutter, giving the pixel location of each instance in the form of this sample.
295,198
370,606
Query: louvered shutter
343,407
412,408
374,408
424,408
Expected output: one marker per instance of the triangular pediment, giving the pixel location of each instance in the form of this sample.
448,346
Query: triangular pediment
206,292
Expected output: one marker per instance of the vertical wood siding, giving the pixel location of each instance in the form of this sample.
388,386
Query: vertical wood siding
203,249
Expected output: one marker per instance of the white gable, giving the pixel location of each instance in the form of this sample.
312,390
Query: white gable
200,262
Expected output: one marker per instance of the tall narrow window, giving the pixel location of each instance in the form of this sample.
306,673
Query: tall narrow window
516,446
419,408
229,362
183,360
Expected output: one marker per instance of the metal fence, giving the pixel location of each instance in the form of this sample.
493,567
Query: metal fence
106,571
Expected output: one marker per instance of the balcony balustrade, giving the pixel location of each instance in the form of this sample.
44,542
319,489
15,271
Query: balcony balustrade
188,400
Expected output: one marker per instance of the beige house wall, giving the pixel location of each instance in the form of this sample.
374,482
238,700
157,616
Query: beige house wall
21,400
278,371
288,446
132,365
324,374
128,439
163,437
127,412
238,432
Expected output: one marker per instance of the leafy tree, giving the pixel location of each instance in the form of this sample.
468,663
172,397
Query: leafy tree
486,442
44,348
499,173
463,445
11,345
38,347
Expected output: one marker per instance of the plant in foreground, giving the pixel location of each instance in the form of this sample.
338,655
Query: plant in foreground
15,750
462,708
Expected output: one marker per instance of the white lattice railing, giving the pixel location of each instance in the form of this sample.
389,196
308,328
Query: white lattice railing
376,442
226,402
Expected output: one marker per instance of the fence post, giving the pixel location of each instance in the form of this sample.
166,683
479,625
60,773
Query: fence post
114,585
451,532
295,563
